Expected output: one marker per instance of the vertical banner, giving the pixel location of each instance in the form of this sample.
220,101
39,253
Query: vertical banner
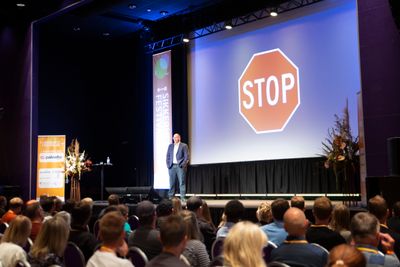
162,117
51,166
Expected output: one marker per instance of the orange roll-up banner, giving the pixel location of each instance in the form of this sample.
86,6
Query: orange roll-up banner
51,166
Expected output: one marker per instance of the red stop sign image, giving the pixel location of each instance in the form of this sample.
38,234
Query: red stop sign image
269,91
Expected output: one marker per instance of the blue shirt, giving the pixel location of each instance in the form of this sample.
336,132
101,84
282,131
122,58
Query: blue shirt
224,230
275,232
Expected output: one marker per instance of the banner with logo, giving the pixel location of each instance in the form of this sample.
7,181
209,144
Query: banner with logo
51,166
162,116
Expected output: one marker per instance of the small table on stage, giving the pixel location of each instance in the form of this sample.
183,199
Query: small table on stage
102,165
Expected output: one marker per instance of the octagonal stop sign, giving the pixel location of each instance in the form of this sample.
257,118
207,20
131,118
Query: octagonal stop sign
269,91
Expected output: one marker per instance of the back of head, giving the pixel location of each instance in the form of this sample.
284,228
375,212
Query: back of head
194,203
65,216
264,213
295,222
346,256
123,209
192,228
322,208
364,228
146,212
3,202
16,203
32,211
279,206
243,245
87,201
396,209
52,238
18,231
234,211
164,208
172,231
69,205
47,204
297,202
176,205
340,217
113,199
206,211
378,207
80,215
111,228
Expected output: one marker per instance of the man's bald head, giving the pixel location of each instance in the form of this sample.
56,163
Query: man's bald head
295,222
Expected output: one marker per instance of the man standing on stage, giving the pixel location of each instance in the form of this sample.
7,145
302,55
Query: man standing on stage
177,161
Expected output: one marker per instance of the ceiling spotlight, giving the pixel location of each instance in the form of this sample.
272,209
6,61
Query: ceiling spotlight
148,10
20,5
185,40
163,12
131,6
273,13
106,34
76,29
228,27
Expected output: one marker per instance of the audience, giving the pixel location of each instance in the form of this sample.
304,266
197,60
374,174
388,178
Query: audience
243,246
125,213
79,234
364,229
15,208
298,202
173,238
164,209
346,256
14,239
340,221
176,205
48,206
234,212
113,201
35,213
69,205
378,207
296,250
146,236
394,221
48,248
264,214
3,205
275,231
195,251
112,235
206,214
207,230
319,232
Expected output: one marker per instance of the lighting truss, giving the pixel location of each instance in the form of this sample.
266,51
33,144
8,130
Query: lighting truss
220,26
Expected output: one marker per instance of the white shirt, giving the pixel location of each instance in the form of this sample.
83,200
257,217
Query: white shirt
107,259
176,146
11,253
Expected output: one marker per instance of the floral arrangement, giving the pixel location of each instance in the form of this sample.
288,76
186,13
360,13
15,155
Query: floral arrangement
76,163
340,146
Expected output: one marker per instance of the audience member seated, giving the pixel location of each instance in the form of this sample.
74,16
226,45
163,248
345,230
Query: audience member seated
234,212
275,231
93,217
378,207
3,205
394,221
113,201
15,208
364,229
48,206
176,205
264,213
206,213
69,205
112,235
48,248
13,241
125,213
195,251
35,213
243,246
296,250
164,209
319,232
346,256
298,202
340,221
207,230
173,238
79,234
146,237
58,204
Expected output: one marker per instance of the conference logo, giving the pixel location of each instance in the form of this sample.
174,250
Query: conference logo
269,91
161,66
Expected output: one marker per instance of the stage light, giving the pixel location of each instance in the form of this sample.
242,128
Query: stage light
228,25
131,6
76,29
163,12
20,5
185,40
106,34
273,13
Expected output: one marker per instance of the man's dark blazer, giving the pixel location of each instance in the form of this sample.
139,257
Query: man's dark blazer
182,155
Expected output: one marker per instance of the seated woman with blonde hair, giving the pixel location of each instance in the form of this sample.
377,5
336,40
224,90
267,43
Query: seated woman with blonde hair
13,241
48,248
243,246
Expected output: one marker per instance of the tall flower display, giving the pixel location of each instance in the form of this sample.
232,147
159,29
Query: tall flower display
75,164
341,150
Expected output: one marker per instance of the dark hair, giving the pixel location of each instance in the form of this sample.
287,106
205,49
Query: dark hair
47,204
297,202
194,203
69,205
80,215
278,207
31,210
378,207
3,201
322,208
234,211
172,231
396,209
164,208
